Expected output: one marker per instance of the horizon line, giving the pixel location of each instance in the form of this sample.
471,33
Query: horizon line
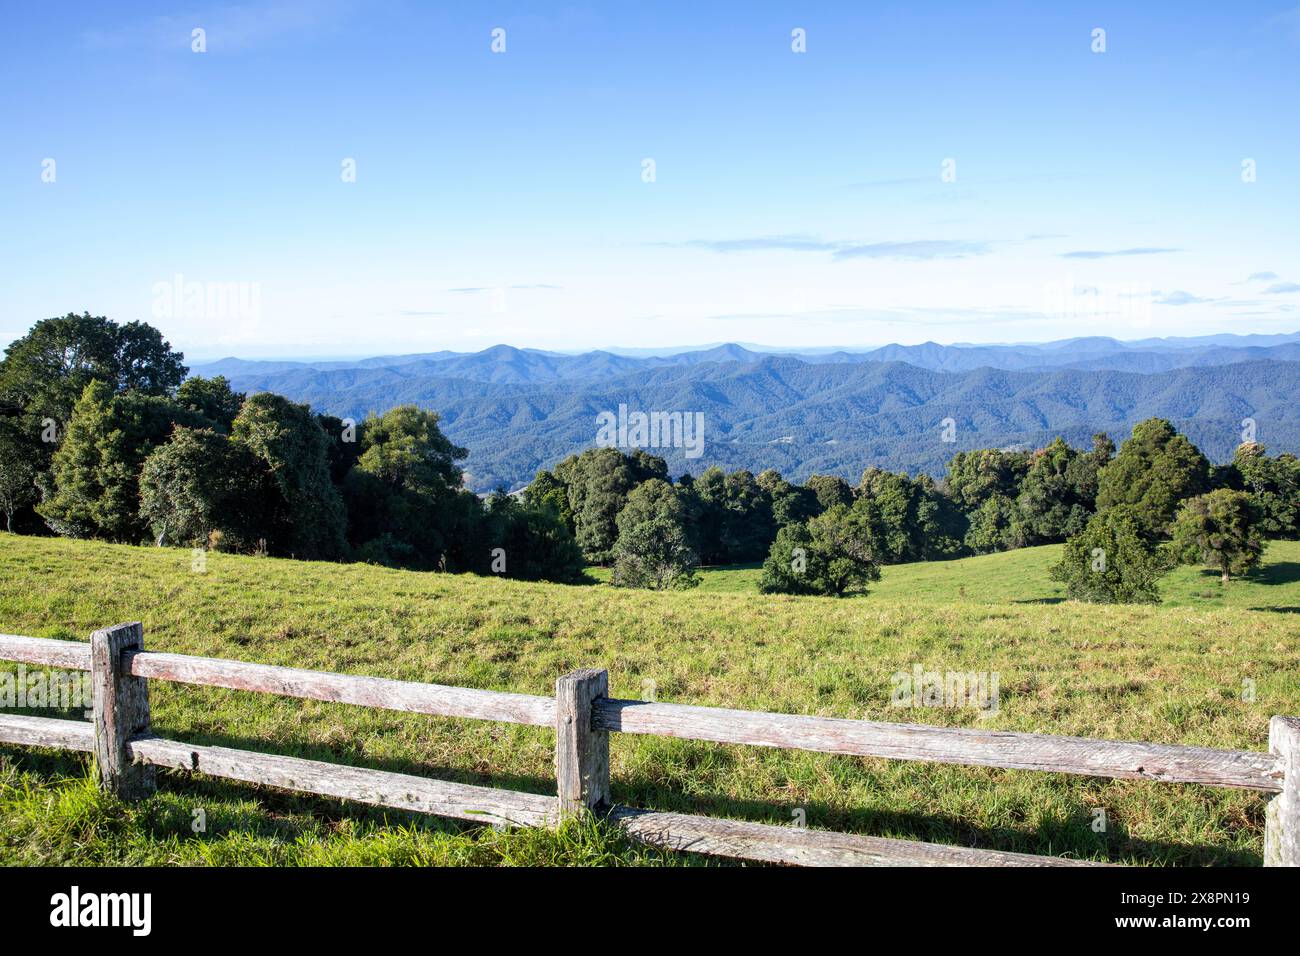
666,351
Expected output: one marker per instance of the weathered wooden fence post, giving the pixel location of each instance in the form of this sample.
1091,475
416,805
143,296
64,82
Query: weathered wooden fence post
1282,823
581,753
121,711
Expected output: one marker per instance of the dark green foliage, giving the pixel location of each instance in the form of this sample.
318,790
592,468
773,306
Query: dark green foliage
915,522
212,398
93,487
733,519
652,499
533,541
973,477
597,484
404,501
344,446
546,489
830,490
45,373
1058,493
654,554
1274,484
185,487
1110,562
1219,530
17,473
995,526
832,554
1155,469
308,517
790,503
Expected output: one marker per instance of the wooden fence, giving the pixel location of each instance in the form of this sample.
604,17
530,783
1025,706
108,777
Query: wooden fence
583,715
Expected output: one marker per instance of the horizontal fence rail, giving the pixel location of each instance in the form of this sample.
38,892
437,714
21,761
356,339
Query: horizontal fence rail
583,715
378,692
73,655
1122,759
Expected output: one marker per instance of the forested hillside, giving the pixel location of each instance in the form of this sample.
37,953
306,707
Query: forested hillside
798,416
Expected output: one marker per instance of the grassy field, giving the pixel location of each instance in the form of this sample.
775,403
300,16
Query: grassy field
1020,577
1172,673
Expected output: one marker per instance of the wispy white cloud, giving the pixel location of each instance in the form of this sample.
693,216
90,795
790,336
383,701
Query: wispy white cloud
912,316
924,249
1282,288
1106,254
844,249
471,289
1177,297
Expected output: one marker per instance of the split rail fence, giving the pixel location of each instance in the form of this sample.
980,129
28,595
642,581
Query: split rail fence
583,715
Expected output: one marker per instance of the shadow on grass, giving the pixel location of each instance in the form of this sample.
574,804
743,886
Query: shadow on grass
271,817
1282,572
1072,837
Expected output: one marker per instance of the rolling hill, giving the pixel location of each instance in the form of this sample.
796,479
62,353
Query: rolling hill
1162,673
520,410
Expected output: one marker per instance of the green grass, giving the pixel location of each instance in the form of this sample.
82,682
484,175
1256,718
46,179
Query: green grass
1172,673
1021,576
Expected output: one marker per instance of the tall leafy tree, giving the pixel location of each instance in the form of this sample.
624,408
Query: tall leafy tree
830,490
530,541
1274,484
915,520
185,487
1056,495
598,482
995,525
292,451
1155,469
832,554
649,500
734,518
406,448
1219,530
93,487
973,477
405,501
45,373
212,398
547,489
790,503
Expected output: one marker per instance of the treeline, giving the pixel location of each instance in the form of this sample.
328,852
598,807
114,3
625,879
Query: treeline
102,436
828,537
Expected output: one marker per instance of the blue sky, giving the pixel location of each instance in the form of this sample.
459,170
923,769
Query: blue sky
798,199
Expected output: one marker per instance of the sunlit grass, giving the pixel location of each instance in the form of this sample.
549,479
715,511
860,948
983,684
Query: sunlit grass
1171,673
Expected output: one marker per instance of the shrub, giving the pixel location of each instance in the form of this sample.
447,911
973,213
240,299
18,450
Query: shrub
1109,562
1219,530
832,554
654,554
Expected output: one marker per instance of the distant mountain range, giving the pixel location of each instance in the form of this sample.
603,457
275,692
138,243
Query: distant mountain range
836,412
